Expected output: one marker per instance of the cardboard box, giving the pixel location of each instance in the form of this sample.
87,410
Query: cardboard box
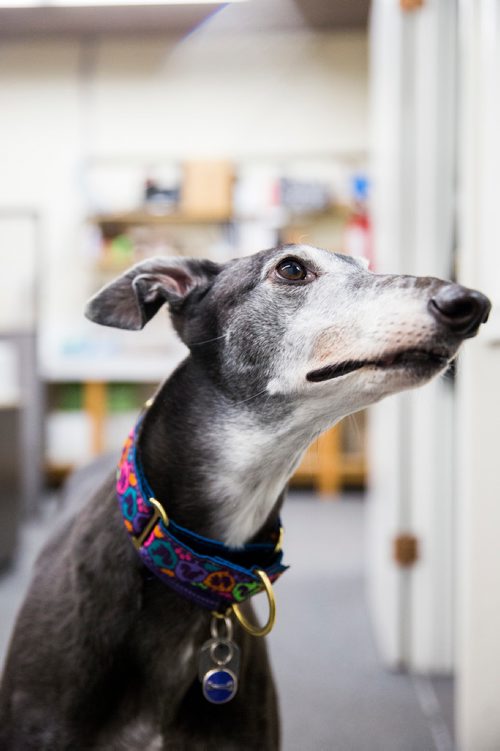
207,190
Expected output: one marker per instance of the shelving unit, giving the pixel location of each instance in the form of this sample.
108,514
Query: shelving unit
127,237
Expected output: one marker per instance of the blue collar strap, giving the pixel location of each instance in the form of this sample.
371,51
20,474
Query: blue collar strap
205,571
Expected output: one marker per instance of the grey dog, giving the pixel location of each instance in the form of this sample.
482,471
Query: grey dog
282,344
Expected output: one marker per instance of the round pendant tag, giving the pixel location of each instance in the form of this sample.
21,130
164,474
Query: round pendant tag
219,685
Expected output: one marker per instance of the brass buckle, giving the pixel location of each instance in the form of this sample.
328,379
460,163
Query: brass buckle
279,544
268,627
159,513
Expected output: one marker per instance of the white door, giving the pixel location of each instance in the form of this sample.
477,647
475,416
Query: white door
478,470
413,67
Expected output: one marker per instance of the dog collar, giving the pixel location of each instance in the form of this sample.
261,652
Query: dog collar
205,571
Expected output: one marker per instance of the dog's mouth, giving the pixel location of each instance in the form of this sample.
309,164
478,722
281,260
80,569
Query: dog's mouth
417,360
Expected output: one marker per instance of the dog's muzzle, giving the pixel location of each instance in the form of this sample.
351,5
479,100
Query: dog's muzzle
459,309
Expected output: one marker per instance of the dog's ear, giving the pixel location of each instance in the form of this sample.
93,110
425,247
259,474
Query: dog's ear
130,301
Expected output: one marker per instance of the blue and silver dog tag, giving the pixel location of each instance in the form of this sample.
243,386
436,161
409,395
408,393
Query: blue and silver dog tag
219,665
219,685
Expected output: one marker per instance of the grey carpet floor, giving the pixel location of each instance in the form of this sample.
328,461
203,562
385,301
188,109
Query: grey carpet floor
334,693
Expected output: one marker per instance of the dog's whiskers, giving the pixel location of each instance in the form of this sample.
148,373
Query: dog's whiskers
207,341
354,422
252,397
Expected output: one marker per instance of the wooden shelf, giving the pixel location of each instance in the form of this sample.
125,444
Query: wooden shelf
335,211
140,367
143,217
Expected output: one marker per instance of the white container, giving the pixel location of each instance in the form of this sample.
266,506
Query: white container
68,435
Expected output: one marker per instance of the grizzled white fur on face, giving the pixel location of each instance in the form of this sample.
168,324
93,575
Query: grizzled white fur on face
349,313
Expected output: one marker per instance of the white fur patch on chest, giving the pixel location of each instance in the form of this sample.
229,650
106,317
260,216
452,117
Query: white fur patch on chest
253,469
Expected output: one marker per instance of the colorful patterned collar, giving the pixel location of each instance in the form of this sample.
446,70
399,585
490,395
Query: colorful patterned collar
202,570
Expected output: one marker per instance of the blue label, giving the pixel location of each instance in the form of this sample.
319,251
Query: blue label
219,685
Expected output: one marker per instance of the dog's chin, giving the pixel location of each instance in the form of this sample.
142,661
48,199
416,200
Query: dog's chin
411,365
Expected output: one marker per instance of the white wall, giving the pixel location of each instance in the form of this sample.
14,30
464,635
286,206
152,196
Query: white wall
64,102
247,94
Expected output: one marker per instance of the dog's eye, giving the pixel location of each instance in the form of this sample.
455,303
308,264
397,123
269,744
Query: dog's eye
291,270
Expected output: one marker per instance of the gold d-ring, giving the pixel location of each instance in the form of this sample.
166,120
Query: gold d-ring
259,630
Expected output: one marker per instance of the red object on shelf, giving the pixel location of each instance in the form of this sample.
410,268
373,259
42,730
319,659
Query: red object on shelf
358,240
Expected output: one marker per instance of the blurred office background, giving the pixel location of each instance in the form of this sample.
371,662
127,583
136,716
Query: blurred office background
216,130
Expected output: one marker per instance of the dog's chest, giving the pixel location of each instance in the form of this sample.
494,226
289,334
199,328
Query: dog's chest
137,733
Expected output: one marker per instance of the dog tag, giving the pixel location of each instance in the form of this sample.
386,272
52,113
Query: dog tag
219,665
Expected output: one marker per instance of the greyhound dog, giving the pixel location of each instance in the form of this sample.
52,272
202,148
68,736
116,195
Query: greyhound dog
282,344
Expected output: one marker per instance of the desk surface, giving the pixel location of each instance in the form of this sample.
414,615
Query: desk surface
121,368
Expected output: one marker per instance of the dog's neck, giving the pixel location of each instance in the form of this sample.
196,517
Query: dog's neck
219,465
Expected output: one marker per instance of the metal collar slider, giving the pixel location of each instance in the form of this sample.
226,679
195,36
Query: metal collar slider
159,513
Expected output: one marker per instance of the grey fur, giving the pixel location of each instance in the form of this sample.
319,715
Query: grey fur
104,655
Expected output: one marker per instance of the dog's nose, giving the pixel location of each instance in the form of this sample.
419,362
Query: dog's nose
460,309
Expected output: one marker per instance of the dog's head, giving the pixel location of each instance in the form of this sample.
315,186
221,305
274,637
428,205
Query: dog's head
300,321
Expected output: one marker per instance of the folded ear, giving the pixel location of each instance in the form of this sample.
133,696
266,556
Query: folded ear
130,301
